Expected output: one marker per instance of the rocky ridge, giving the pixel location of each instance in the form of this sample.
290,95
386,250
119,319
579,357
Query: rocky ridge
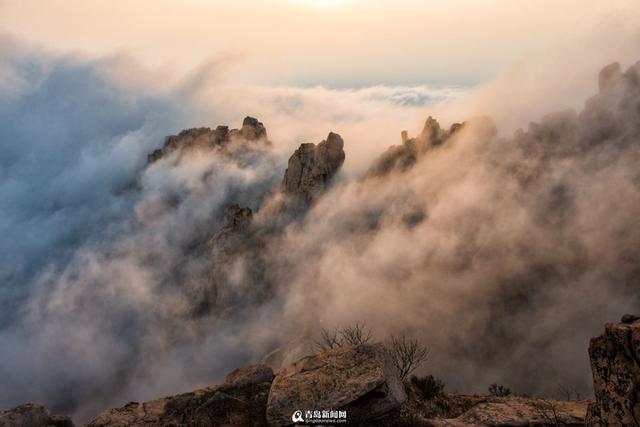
206,138
240,243
403,156
359,381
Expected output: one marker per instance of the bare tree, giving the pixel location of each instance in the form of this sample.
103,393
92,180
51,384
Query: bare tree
353,335
406,355
328,340
350,335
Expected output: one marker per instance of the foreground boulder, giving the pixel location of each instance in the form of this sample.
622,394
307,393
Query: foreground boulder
32,415
359,380
241,401
615,363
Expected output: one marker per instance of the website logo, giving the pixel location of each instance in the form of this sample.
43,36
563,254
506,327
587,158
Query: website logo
297,417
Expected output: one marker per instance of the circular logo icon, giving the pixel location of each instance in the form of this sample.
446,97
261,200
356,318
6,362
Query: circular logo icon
297,417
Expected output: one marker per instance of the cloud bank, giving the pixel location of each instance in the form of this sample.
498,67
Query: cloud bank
504,254
102,256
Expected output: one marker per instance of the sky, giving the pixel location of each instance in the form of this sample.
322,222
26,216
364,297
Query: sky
337,43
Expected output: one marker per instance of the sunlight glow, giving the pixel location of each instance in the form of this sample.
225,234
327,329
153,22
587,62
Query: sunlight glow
323,3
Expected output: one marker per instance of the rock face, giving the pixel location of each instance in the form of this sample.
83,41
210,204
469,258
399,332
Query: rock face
615,363
517,411
238,218
255,374
207,138
241,401
312,166
358,379
237,263
32,415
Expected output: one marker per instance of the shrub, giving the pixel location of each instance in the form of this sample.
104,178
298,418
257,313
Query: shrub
427,387
355,335
498,390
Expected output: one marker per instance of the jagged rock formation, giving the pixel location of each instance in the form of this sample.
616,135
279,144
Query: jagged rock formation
207,138
237,275
32,415
238,262
311,167
615,363
240,401
404,156
359,379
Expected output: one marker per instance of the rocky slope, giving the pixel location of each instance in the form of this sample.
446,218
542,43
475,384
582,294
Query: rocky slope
32,415
359,386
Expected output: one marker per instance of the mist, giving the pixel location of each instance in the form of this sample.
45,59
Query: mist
105,255
503,252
